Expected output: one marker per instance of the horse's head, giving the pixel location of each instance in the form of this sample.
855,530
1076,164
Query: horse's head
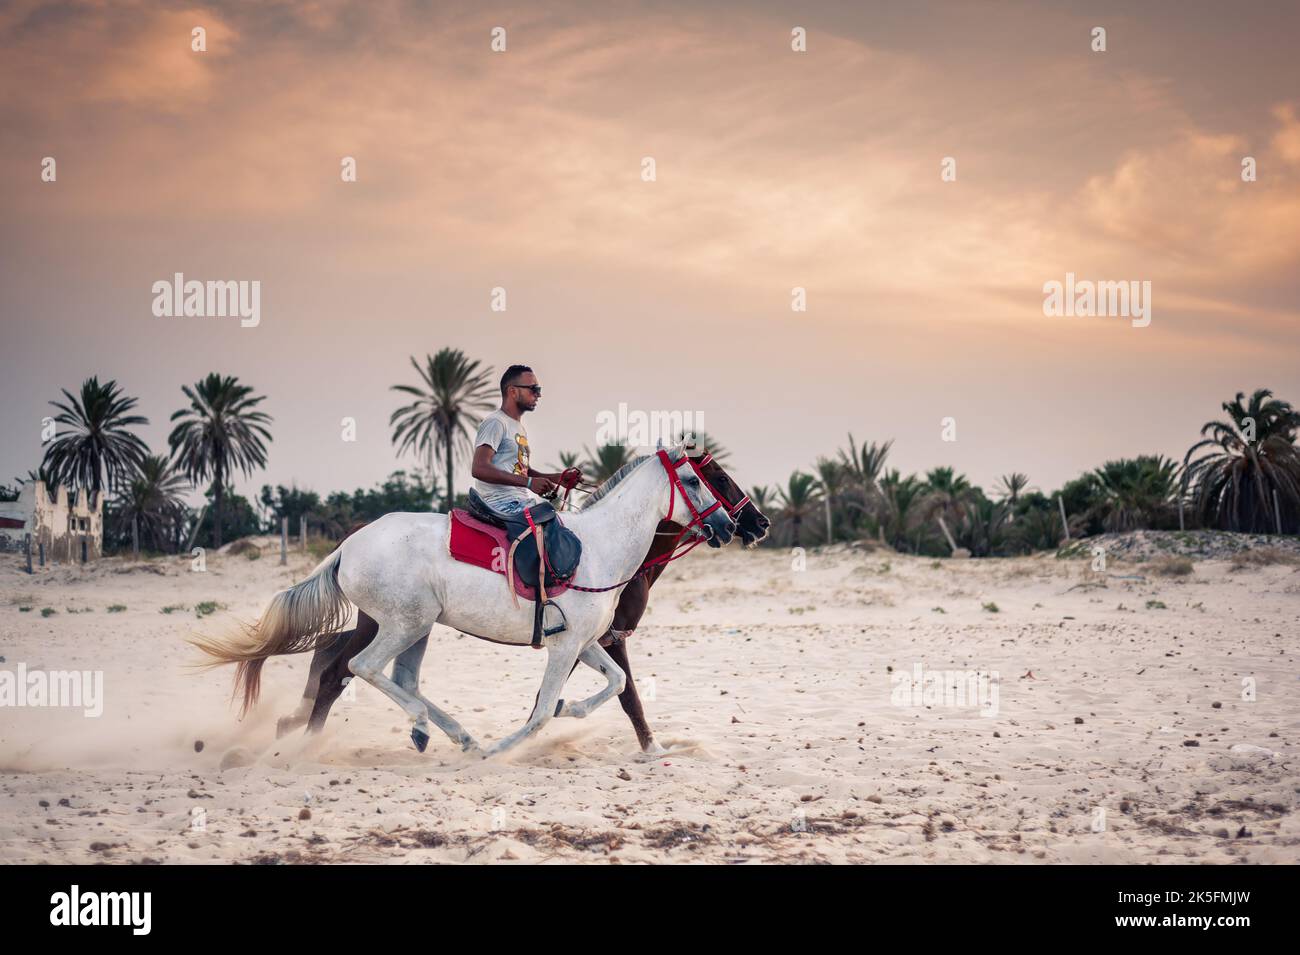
717,526
751,523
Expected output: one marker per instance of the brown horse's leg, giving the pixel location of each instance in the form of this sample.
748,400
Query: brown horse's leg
630,699
325,658
347,646
631,608
325,654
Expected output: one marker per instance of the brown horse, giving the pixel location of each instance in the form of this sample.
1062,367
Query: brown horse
329,665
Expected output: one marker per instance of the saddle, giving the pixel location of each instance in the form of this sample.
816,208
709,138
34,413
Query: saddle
536,553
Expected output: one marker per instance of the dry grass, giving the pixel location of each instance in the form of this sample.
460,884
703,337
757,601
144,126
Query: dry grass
1264,557
1170,566
243,546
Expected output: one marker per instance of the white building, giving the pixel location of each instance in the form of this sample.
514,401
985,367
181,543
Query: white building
71,530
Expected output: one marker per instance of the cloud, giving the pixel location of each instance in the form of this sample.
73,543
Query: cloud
774,169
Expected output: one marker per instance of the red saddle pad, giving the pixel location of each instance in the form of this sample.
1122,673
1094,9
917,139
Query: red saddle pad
474,542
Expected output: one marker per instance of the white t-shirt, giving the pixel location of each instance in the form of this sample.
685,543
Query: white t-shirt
509,443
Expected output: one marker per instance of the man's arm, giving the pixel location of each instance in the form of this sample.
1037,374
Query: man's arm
483,470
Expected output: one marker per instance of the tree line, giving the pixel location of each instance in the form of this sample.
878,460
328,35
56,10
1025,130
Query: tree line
1243,474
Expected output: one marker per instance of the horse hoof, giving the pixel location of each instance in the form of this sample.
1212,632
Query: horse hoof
285,725
420,738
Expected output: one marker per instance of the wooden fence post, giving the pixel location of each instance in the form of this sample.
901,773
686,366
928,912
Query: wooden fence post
27,542
197,524
1277,513
284,540
302,530
135,536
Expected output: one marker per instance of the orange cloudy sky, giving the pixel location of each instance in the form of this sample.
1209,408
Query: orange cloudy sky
775,169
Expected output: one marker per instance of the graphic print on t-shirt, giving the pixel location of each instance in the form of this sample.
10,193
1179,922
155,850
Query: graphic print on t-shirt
521,455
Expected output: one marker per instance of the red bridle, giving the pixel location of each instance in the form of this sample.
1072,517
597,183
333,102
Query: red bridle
697,518
675,485
732,509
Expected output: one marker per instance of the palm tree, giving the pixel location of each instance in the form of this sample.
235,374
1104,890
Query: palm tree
797,499
1235,484
606,459
153,498
444,413
568,459
1009,488
866,464
901,499
219,432
830,477
1136,492
981,526
100,452
946,495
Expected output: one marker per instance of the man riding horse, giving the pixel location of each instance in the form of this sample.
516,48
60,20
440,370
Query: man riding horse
503,495
502,475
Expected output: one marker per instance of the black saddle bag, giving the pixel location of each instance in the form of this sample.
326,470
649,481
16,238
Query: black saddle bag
563,549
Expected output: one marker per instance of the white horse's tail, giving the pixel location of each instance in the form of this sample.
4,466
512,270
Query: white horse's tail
295,622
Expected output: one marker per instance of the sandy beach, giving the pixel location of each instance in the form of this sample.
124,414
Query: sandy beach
1120,717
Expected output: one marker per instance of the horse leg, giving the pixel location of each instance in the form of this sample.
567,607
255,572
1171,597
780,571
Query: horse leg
538,695
631,700
319,661
394,638
325,658
336,673
560,660
631,608
596,658
406,673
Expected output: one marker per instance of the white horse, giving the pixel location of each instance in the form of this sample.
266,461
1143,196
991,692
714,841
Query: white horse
400,571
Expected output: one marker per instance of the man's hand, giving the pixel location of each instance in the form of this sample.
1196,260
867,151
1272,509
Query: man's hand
541,486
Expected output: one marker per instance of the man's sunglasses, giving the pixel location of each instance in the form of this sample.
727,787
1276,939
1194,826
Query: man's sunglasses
535,389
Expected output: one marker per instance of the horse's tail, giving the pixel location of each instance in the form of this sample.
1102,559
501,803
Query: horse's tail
295,622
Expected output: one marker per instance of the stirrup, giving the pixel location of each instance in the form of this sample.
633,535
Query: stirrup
540,630
563,624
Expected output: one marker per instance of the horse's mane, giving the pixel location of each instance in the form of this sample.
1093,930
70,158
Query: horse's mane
612,481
